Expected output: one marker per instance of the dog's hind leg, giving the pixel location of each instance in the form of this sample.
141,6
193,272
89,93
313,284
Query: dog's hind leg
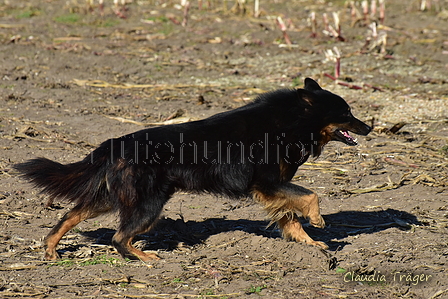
283,205
122,242
69,221
135,221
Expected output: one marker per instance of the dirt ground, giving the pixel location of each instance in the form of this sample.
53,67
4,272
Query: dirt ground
73,76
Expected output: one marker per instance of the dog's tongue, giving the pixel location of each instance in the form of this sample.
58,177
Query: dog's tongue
346,134
349,138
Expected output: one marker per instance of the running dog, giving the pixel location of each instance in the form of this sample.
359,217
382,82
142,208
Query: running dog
253,150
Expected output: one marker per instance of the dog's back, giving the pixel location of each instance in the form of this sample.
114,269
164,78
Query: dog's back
225,154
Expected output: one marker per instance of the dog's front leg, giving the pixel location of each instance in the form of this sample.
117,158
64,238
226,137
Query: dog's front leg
283,205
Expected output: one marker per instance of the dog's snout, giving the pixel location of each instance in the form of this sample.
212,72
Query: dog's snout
360,127
367,129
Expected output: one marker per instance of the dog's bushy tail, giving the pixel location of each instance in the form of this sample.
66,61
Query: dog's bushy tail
79,182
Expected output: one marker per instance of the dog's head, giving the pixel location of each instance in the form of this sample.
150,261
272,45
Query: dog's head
333,115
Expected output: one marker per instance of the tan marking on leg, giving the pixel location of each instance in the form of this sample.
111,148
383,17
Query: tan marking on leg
56,234
145,257
292,229
69,221
123,244
283,206
291,199
310,210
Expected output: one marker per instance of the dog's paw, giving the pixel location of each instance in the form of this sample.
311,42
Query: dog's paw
319,244
320,222
51,255
149,257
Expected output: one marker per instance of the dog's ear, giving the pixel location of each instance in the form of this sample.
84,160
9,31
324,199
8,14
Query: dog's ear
311,85
307,97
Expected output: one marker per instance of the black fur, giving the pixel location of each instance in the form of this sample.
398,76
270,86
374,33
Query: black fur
256,147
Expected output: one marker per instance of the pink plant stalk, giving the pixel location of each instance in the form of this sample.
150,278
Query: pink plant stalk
365,10
330,30
336,58
374,31
313,24
326,23
338,26
373,8
282,26
373,87
186,9
101,7
337,67
425,4
382,11
353,12
383,40
257,8
119,9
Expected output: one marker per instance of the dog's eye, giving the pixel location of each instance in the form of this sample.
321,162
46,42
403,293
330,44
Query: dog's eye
346,113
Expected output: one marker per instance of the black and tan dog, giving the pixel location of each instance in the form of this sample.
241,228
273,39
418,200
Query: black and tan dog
253,151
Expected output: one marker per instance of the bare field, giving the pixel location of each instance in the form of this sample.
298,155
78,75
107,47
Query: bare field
73,76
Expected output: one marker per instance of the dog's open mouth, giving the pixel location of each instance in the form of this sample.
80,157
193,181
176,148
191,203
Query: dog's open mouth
345,137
